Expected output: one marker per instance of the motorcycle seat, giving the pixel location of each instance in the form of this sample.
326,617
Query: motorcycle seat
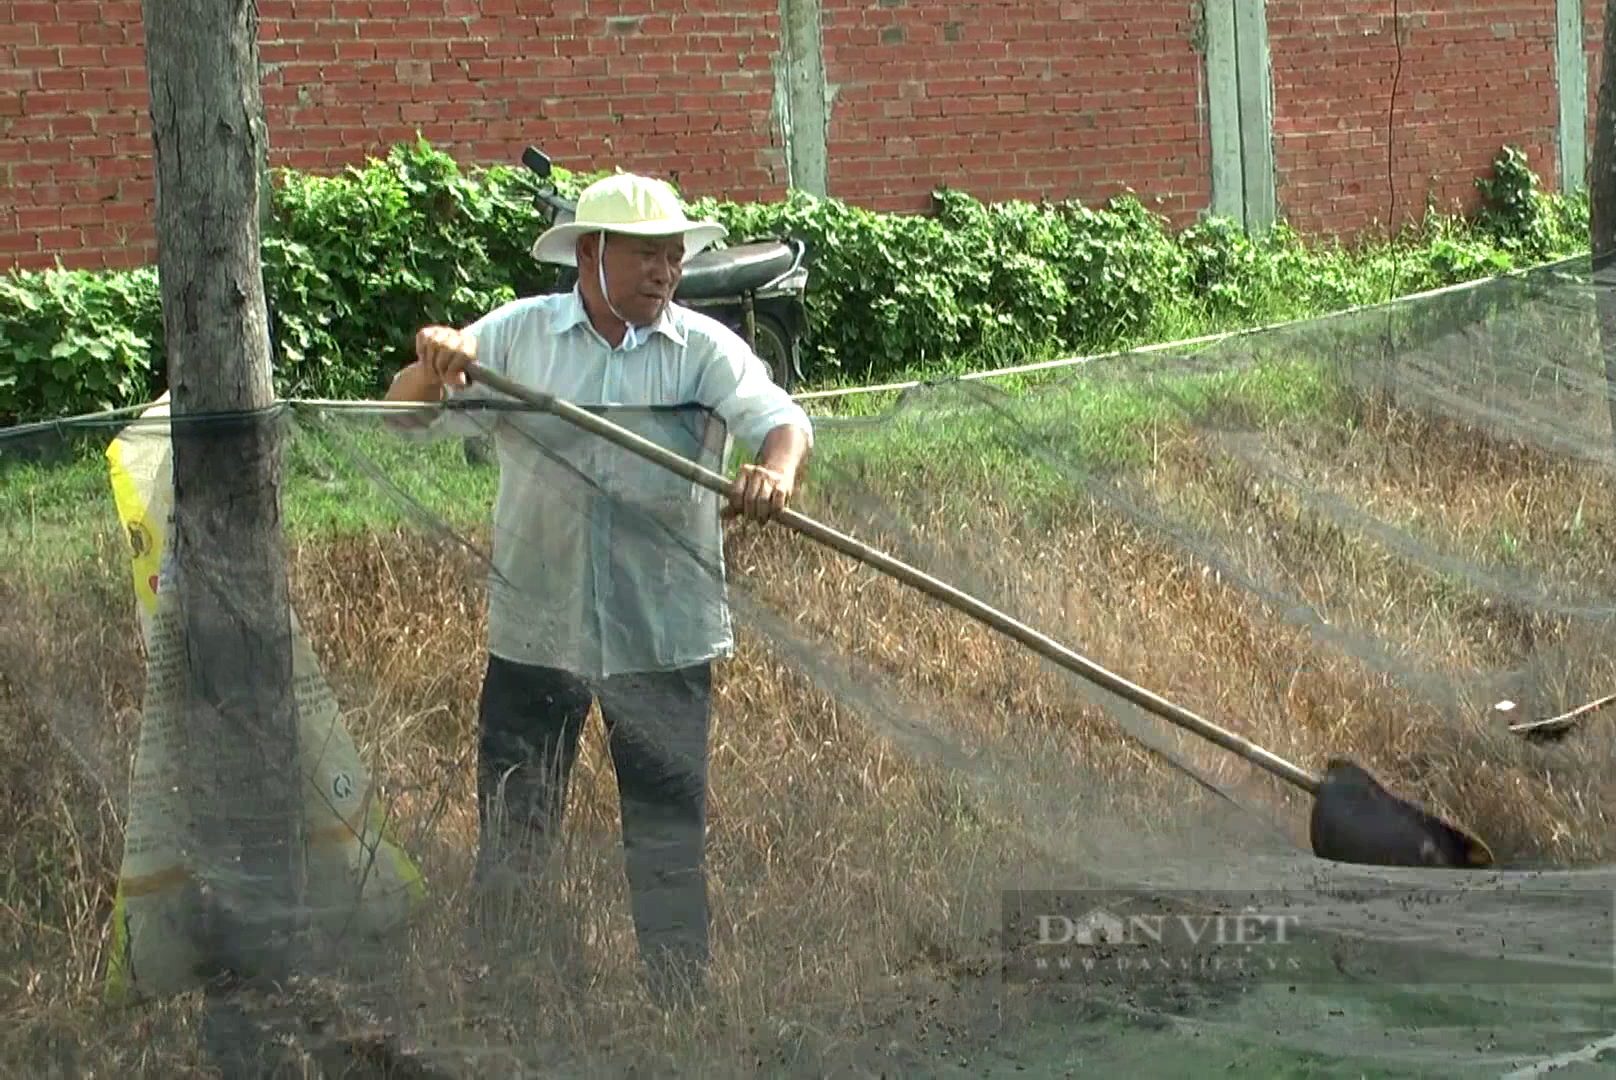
730,271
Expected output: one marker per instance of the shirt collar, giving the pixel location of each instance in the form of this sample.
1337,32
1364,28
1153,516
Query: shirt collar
572,315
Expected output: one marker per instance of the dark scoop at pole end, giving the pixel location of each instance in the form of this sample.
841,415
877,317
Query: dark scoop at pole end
1356,820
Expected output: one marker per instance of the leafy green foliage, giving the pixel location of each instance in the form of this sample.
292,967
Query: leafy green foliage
77,341
1526,222
901,296
354,263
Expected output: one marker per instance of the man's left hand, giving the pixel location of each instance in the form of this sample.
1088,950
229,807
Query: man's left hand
759,493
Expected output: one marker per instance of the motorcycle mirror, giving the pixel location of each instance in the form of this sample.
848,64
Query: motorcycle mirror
536,160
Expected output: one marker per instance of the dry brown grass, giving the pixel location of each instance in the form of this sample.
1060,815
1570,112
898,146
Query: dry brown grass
859,833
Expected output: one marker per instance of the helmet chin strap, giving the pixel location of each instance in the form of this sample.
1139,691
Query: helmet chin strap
631,333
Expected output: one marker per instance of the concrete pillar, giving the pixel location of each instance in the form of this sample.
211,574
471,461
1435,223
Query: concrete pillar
802,97
1223,109
1571,77
1240,112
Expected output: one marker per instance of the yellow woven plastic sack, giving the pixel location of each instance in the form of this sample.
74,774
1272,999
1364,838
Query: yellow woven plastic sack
359,879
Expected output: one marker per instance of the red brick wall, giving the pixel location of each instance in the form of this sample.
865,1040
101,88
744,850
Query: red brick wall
1011,98
1475,74
344,79
1005,98
73,133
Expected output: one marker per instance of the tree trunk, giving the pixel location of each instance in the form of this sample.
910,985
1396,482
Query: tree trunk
240,719
1602,207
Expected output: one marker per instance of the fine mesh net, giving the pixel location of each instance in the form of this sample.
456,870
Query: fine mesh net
1351,537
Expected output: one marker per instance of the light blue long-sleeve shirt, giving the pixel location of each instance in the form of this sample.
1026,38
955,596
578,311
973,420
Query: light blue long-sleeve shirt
604,562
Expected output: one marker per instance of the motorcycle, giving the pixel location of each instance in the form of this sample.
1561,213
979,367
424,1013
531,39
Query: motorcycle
755,288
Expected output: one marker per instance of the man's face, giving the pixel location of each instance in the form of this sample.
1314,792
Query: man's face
641,273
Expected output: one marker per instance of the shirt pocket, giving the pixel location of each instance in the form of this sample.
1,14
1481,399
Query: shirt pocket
638,481
554,461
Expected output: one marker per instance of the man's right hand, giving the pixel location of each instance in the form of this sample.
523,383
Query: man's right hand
444,353
441,356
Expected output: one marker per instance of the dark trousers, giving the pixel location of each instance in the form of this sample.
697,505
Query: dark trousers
657,727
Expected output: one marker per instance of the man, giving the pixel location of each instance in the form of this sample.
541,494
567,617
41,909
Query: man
607,576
